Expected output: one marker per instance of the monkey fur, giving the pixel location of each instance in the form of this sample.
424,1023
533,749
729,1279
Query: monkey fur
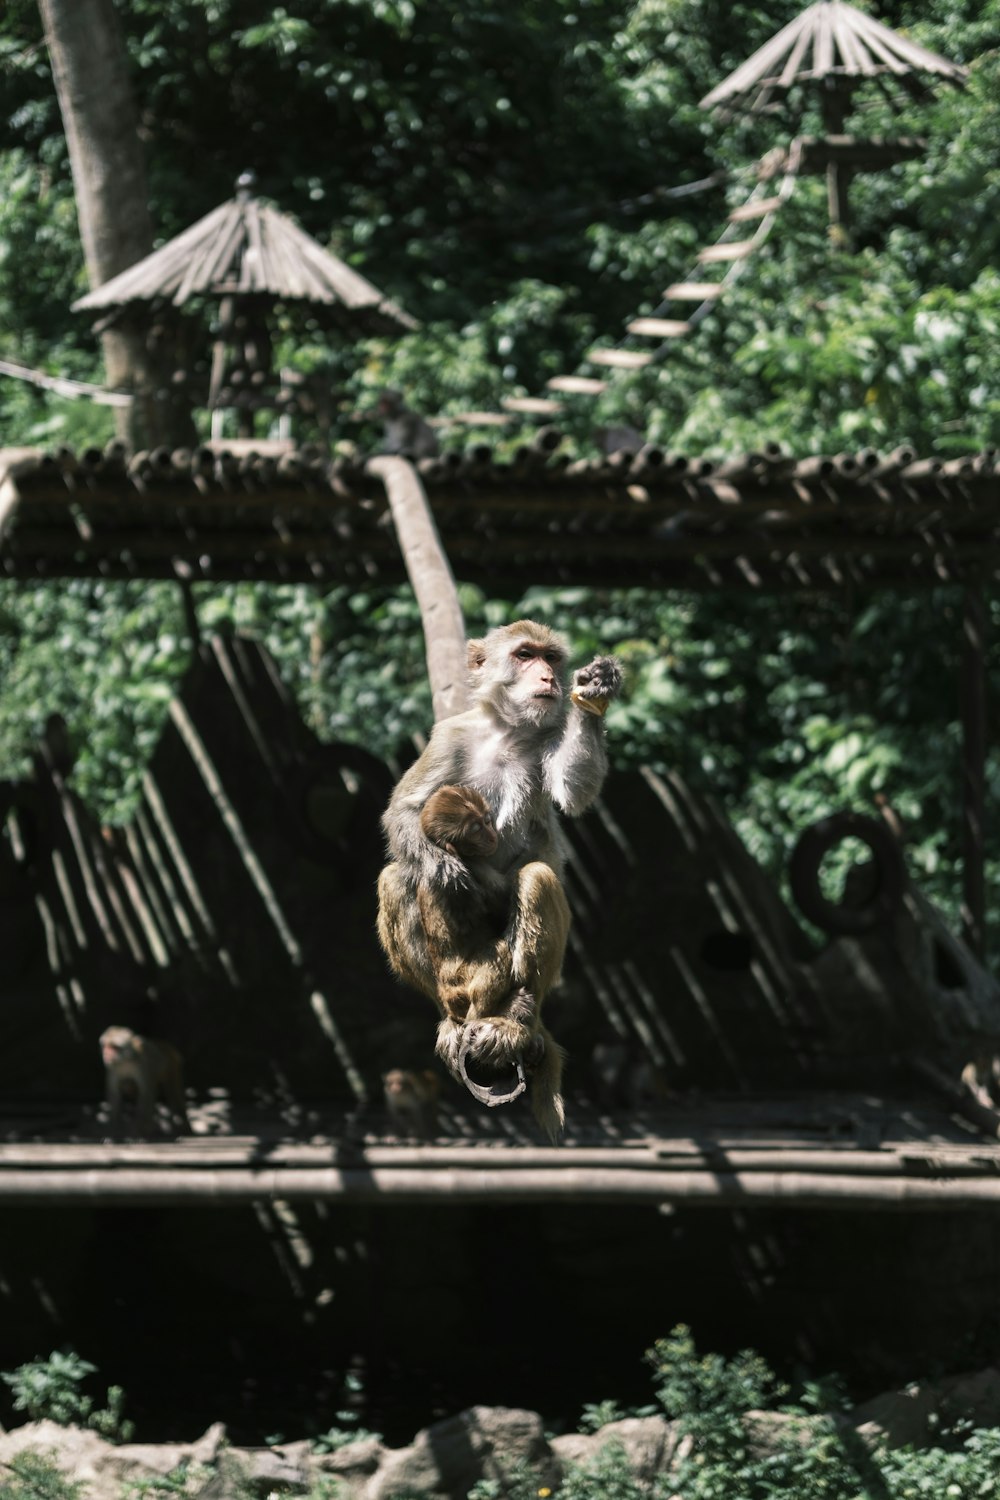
527,750
139,1072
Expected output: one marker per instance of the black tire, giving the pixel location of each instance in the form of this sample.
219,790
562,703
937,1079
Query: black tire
808,855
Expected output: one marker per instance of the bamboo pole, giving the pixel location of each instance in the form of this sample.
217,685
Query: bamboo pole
178,1187
205,1154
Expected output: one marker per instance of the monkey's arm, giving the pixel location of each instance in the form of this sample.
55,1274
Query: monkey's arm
576,767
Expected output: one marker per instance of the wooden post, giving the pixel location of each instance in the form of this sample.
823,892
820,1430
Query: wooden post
835,103
973,710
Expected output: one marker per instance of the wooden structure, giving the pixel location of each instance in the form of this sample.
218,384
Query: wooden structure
231,894
757,521
245,259
824,55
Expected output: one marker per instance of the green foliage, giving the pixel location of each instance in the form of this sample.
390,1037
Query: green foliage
51,1389
607,1476
33,1476
347,1428
520,1482
510,174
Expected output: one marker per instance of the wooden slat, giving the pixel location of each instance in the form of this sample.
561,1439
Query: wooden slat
659,328
693,291
757,208
538,406
619,359
578,385
732,250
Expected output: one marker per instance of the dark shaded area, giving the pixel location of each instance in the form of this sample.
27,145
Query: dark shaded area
235,916
205,1315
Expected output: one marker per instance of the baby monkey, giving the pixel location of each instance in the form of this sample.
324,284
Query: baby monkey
458,819
140,1072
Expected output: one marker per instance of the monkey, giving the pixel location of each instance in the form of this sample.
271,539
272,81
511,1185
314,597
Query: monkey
981,1077
412,1101
403,430
459,820
139,1071
529,747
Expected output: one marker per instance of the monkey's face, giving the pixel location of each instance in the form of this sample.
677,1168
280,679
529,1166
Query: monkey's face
116,1045
522,677
478,837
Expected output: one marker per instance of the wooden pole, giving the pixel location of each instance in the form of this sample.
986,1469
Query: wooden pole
973,711
446,1186
432,580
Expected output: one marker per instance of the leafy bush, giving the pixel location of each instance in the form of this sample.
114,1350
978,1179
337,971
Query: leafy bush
50,1388
31,1476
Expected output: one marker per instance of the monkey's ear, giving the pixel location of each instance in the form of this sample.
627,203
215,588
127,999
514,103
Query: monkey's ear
476,655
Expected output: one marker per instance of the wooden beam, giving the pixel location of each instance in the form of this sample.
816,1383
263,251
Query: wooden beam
729,250
577,385
973,712
693,291
659,328
757,208
619,359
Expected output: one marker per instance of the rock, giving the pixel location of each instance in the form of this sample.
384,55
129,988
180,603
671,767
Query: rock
649,1444
769,1431
76,1452
263,1470
101,1467
445,1460
206,1449
352,1466
916,1415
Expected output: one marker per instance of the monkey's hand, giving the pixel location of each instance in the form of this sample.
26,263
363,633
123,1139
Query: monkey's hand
595,685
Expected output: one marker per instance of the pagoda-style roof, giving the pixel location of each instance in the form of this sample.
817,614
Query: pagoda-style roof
829,40
245,247
651,519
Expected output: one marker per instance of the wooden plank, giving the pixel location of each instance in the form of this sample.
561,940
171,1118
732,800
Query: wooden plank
577,385
536,406
693,291
471,419
619,359
731,250
659,328
757,208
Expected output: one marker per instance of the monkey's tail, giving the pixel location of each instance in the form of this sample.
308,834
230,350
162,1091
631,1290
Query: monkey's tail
546,1083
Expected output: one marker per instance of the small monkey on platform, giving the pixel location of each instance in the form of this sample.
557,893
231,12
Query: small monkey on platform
139,1073
412,1101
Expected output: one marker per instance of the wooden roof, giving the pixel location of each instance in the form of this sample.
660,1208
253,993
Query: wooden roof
754,521
248,248
830,39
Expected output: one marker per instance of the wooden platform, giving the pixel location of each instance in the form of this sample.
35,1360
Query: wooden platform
811,1151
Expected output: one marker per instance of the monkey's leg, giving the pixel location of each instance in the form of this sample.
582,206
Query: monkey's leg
540,929
145,1109
401,933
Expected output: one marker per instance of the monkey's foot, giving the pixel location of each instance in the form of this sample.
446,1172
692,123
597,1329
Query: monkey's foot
482,1079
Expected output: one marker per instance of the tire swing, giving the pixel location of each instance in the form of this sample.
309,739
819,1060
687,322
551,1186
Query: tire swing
815,843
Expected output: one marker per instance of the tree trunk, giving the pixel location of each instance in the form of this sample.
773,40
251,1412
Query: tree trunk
90,70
